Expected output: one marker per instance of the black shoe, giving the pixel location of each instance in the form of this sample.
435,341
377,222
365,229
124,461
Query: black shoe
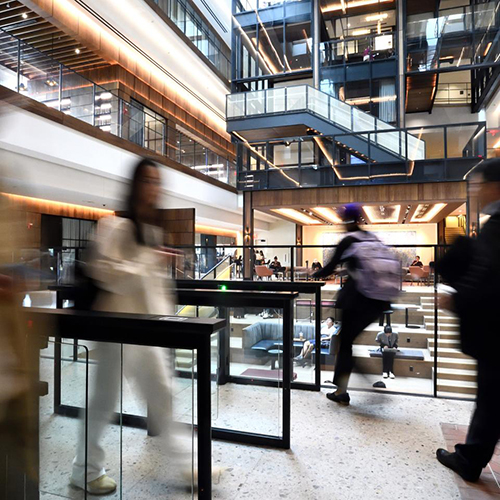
343,398
458,465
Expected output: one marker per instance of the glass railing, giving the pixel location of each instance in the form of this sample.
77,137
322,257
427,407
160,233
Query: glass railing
319,161
358,49
304,98
253,5
33,74
183,15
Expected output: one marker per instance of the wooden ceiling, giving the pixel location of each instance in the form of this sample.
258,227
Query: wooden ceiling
44,39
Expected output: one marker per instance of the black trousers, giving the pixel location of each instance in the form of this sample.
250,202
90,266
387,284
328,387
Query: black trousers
484,429
388,361
354,321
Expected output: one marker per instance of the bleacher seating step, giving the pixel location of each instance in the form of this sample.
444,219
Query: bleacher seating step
457,386
448,352
457,374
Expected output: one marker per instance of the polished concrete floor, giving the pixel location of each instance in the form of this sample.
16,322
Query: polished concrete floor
380,447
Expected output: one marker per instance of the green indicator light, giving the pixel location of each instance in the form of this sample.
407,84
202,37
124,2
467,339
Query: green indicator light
223,288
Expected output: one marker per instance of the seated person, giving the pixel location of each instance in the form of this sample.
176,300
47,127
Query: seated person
257,258
417,262
328,330
262,257
388,341
316,265
276,266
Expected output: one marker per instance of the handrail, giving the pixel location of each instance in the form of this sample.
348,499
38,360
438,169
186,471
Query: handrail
214,268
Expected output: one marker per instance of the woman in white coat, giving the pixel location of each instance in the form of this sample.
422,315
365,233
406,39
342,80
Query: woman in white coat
126,265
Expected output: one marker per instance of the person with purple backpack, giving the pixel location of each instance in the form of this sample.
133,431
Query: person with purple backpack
373,281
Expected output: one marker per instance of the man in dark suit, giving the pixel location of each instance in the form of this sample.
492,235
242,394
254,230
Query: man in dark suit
472,267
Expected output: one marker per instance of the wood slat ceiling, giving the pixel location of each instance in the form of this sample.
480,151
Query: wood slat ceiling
17,20
405,216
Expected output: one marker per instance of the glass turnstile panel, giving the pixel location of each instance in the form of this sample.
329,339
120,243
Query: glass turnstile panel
253,399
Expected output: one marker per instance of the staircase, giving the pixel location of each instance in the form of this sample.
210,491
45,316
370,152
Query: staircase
452,233
456,372
308,108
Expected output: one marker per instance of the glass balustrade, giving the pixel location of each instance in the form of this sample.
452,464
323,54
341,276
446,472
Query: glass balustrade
300,98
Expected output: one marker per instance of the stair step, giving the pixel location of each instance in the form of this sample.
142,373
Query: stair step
449,335
457,374
443,328
457,386
447,352
456,363
453,343
182,362
443,318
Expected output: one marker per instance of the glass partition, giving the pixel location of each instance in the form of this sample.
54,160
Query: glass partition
255,371
59,435
130,407
77,97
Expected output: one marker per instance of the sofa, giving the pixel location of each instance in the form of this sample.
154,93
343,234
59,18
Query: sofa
264,335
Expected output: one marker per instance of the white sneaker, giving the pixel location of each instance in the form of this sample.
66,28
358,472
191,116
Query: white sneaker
385,375
101,486
391,375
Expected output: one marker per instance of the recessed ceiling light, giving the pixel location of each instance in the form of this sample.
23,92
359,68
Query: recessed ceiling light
295,215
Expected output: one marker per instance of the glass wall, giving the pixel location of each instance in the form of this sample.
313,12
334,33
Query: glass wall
187,19
272,45
460,35
34,74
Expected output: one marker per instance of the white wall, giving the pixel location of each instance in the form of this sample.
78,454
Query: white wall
279,233
51,161
426,234
442,116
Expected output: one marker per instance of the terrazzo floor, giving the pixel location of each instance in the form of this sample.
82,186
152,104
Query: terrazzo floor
380,447
488,486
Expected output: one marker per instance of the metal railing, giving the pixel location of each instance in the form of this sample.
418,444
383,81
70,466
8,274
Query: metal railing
32,73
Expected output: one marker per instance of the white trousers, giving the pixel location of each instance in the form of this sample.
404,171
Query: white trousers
150,368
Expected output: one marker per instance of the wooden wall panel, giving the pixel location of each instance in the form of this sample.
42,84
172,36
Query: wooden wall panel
401,193
37,206
179,226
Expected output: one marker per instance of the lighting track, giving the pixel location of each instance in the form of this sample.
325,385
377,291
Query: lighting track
148,57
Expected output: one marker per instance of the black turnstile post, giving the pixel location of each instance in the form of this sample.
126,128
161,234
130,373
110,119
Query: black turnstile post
204,421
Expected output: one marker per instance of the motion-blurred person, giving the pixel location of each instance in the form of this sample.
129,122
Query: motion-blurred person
373,281
126,266
472,268
18,371
388,341
328,330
